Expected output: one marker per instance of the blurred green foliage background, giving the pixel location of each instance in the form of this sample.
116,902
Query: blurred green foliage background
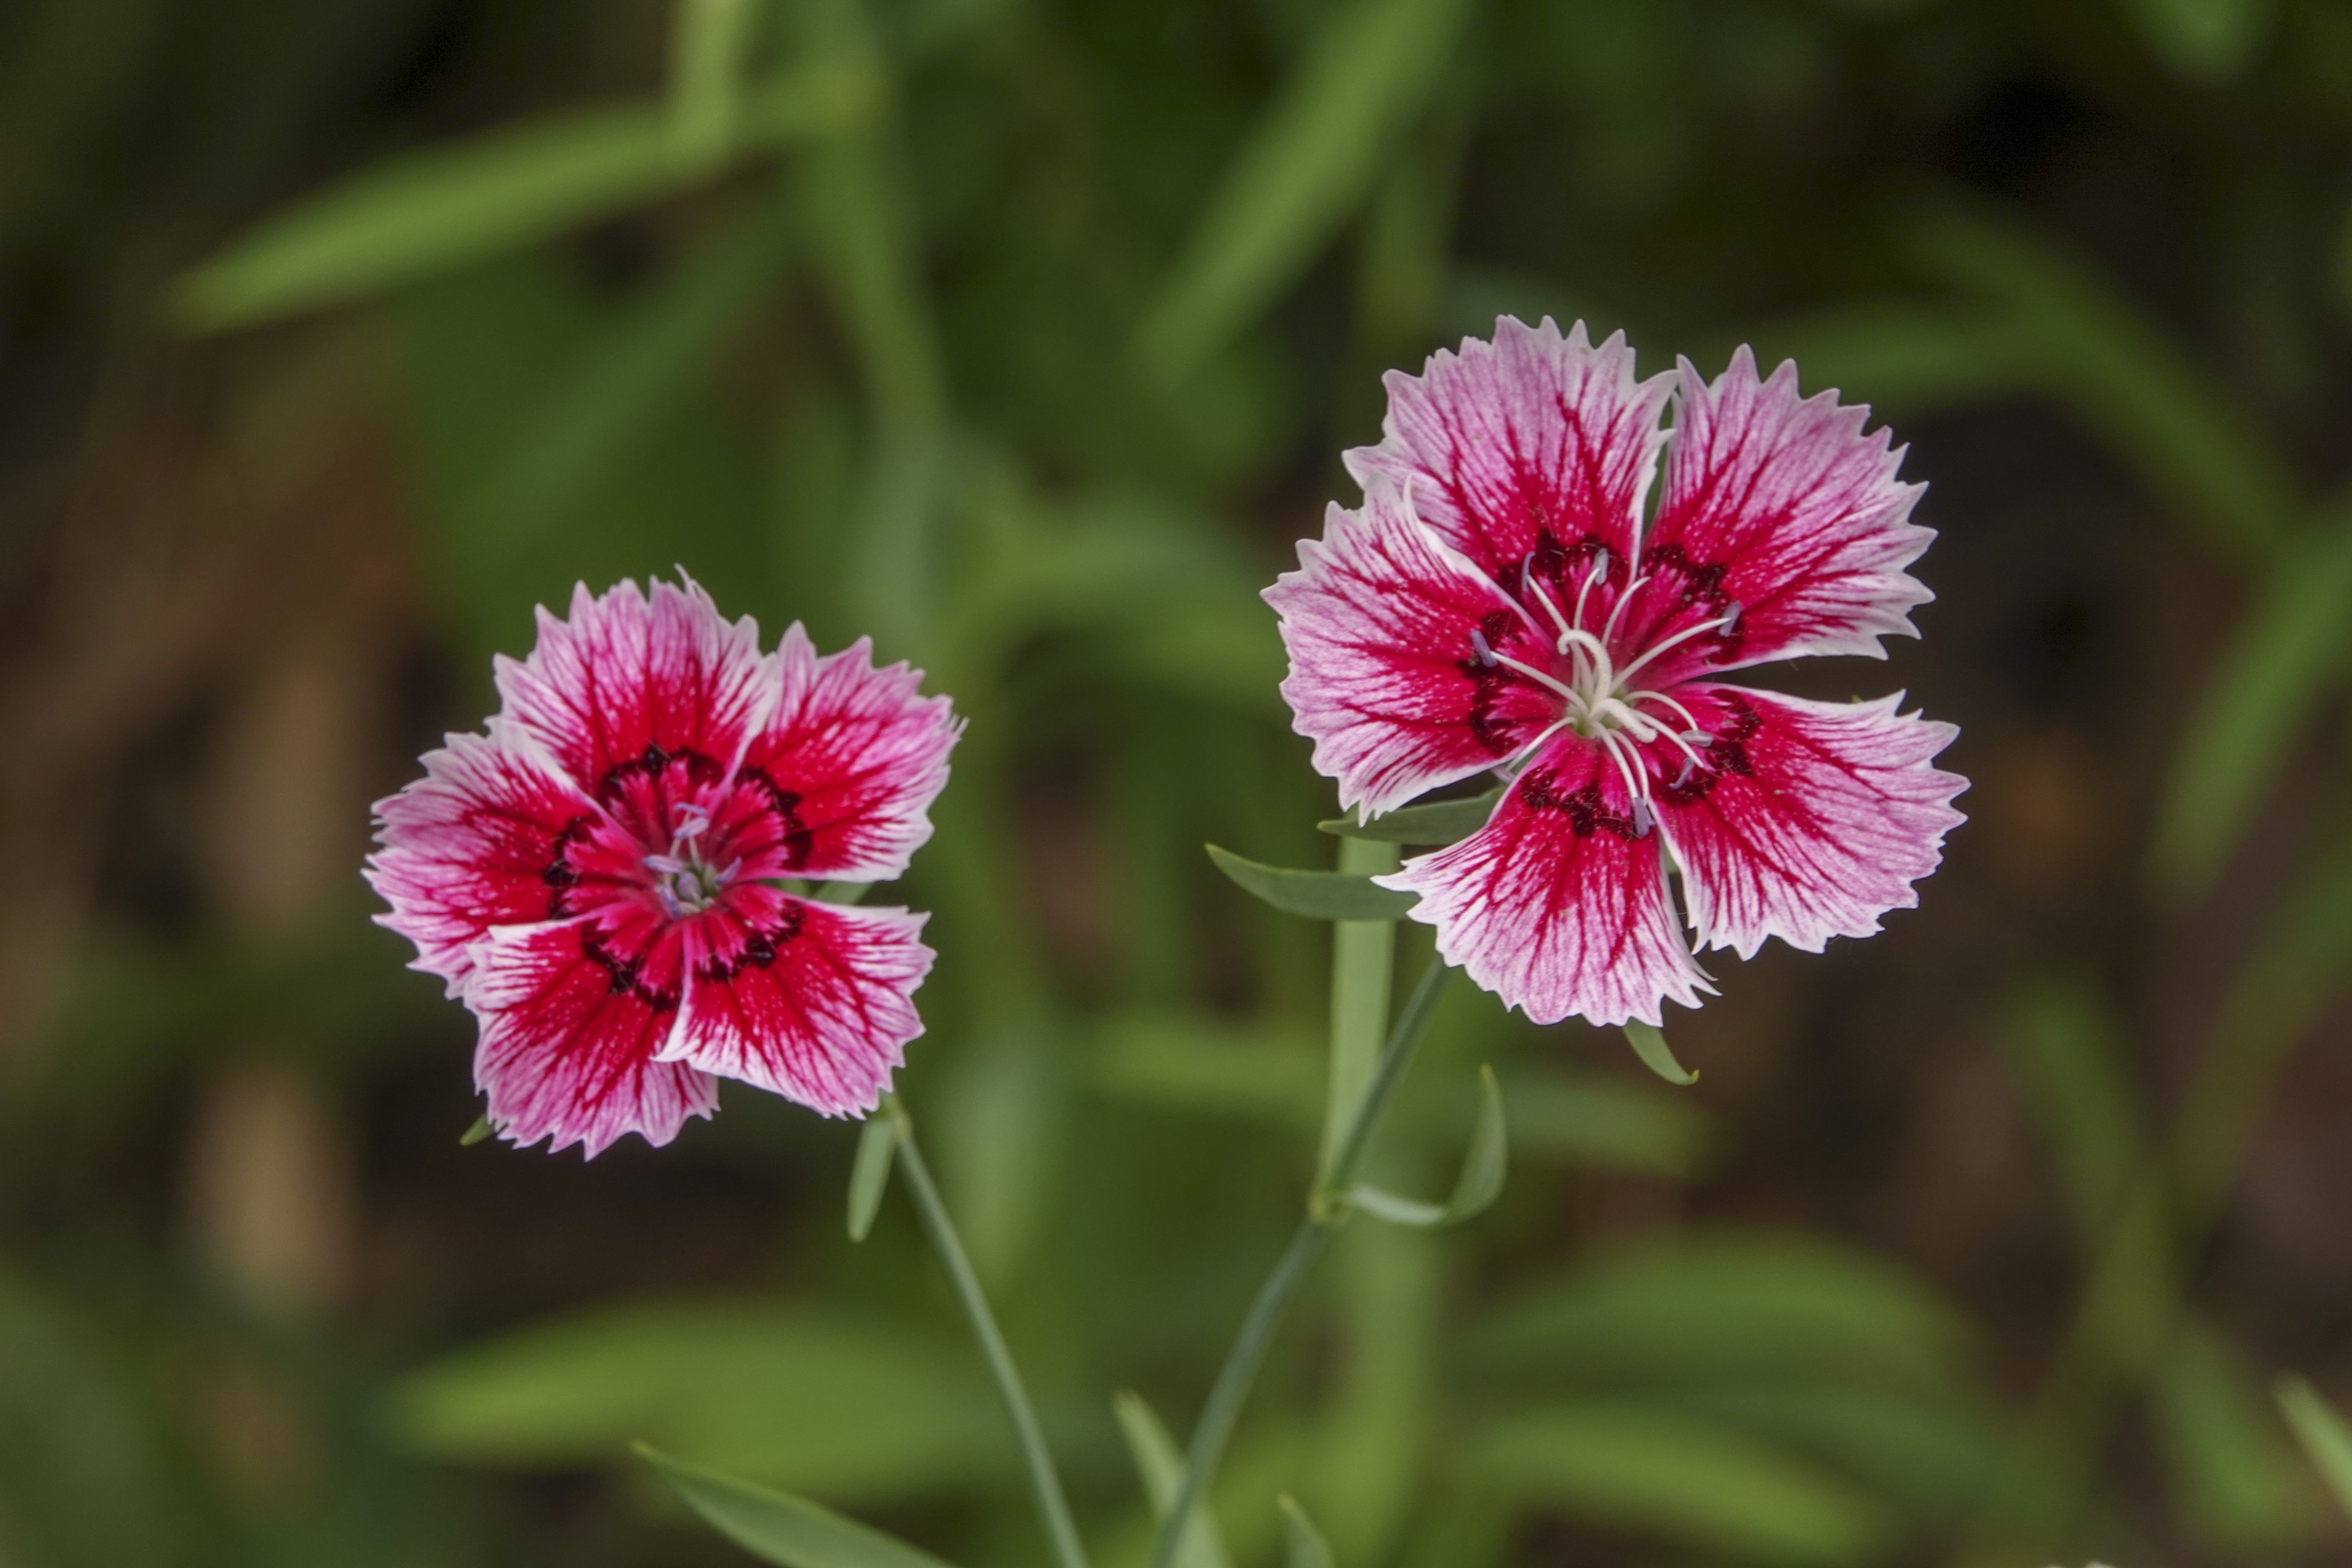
1024,335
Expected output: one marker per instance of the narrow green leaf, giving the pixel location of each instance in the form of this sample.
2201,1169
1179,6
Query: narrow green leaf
779,1528
481,1129
869,1173
1370,67
1303,1544
2063,1038
1441,822
1317,895
2204,40
2323,1434
1650,1045
708,39
2280,662
2119,372
1363,970
842,892
2232,1472
1474,1190
431,211
1664,1474
1161,1464
632,374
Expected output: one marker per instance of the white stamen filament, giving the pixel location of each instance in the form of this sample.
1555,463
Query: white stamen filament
1721,623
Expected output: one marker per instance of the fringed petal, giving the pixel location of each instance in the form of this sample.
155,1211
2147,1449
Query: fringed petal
811,1001
1396,657
472,845
1811,819
1559,904
1531,442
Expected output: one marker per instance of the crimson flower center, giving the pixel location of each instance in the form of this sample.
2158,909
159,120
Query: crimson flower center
1600,698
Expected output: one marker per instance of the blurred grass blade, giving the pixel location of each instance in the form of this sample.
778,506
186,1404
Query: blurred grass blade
709,42
1649,1044
625,380
1603,1123
1441,822
2204,40
2062,1039
1317,895
1370,67
2120,372
1901,356
2280,663
776,1527
2234,1478
428,212
1665,1475
2323,1434
1363,973
1303,1544
1474,1190
481,1129
869,1173
1161,1465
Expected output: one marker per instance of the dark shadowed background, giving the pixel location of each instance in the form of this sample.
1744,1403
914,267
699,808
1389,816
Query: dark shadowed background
1024,336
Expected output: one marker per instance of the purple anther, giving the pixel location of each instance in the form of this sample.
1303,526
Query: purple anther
1527,574
665,865
1731,618
1600,562
1683,777
669,896
1643,820
693,821
1485,654
728,875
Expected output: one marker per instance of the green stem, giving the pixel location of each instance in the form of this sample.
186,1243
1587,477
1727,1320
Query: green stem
1326,1212
1053,1508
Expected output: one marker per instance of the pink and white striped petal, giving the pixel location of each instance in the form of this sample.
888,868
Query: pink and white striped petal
1393,643
1781,505
811,1001
571,1034
1559,904
468,847
1814,820
1532,439
627,682
859,753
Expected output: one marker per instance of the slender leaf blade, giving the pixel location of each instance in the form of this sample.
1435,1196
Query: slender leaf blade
779,1528
1303,1544
481,1129
1441,822
2323,1434
1484,1164
1649,1043
1161,1465
1317,895
870,1174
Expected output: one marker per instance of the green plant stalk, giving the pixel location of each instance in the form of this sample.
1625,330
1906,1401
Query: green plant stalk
1363,959
1326,1210
1052,1507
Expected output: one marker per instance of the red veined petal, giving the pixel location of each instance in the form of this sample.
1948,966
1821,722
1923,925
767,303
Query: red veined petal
811,1001
1559,904
572,1034
1532,439
627,683
1781,505
471,844
1810,820
848,760
1383,628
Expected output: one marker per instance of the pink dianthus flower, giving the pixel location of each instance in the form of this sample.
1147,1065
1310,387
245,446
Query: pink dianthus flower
1499,602
599,876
